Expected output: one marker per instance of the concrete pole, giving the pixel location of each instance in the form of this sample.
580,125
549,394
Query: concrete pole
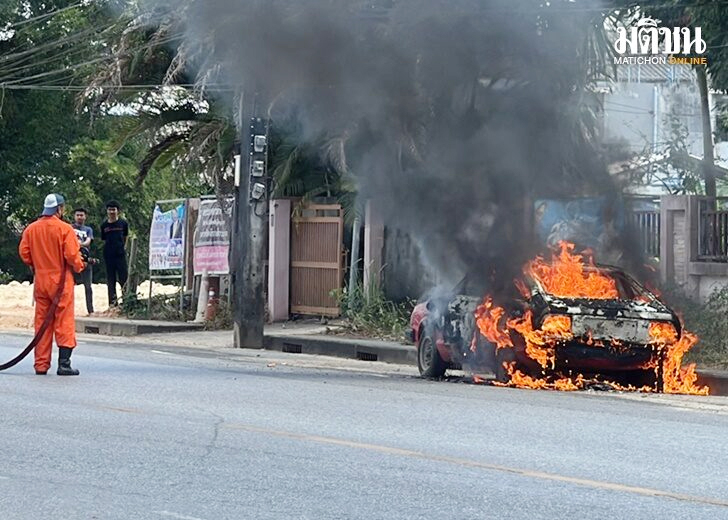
250,235
279,259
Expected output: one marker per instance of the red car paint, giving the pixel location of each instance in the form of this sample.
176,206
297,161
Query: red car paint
417,318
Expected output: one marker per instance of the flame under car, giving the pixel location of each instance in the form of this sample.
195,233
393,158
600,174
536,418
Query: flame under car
620,335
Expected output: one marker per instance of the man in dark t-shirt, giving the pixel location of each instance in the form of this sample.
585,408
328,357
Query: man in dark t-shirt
114,232
85,235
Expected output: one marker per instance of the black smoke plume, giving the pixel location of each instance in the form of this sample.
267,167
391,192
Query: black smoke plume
456,114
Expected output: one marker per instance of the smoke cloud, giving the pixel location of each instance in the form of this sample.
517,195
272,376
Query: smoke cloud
457,114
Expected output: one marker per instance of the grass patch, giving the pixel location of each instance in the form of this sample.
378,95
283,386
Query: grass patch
371,314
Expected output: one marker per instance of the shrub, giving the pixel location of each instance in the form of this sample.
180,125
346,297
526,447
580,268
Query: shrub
709,321
372,314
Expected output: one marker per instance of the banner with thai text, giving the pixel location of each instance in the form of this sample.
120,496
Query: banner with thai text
212,238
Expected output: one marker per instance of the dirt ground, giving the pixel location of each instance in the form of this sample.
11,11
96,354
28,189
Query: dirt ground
16,302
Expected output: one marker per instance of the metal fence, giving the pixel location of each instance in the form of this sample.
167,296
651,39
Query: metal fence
713,229
646,224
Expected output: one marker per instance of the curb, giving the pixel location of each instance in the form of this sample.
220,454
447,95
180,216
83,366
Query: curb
716,380
125,327
363,350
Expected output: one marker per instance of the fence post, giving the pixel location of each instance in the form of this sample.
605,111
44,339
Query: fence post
132,281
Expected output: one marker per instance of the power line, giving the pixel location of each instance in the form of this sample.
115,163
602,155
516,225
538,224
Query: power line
54,43
81,88
41,17
10,81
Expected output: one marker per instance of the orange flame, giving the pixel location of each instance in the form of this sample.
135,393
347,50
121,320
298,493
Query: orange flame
678,379
567,276
538,341
564,384
662,332
571,276
488,320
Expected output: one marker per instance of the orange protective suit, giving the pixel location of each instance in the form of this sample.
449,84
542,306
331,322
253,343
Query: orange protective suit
49,246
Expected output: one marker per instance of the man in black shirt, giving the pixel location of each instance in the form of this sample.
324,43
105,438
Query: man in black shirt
114,232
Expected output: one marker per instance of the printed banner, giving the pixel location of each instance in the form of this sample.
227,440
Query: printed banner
167,239
212,238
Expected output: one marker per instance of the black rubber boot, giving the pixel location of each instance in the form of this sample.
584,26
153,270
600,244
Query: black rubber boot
64,362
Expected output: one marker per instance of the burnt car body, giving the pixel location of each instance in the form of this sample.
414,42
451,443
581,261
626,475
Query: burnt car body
607,336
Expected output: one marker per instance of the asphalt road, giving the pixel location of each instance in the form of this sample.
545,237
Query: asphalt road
165,433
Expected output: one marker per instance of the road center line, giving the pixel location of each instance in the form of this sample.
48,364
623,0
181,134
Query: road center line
170,514
596,484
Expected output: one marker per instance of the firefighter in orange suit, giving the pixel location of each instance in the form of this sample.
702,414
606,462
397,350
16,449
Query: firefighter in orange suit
50,247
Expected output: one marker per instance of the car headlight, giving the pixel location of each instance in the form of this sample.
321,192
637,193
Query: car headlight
557,324
662,332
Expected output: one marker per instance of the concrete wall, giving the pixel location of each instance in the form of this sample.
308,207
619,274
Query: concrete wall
708,284
679,263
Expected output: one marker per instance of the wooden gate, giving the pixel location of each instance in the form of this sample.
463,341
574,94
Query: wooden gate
316,259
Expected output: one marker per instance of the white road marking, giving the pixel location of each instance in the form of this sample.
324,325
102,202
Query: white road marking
170,514
541,475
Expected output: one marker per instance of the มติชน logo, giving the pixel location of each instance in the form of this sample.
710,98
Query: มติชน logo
648,42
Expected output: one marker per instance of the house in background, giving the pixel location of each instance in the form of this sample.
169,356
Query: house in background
651,120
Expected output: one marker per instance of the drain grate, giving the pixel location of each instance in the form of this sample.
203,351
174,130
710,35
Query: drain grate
366,356
91,330
292,348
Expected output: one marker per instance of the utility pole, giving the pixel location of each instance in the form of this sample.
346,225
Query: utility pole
250,229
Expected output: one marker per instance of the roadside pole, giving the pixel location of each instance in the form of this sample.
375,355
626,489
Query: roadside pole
250,229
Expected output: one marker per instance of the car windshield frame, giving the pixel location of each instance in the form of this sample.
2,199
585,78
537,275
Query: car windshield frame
628,288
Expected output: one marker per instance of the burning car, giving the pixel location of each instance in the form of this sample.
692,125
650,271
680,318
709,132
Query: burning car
572,321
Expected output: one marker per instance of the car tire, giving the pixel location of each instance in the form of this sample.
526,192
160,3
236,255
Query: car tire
654,378
429,361
503,356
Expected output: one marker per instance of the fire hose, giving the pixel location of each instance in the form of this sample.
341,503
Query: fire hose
44,326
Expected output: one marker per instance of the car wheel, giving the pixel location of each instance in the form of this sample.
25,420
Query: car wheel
429,361
503,357
651,377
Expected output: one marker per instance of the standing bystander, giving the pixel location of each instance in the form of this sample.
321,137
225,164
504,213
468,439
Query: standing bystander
85,235
114,232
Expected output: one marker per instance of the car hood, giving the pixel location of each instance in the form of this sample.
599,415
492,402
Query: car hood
610,309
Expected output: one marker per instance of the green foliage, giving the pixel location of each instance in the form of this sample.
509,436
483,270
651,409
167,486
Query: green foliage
5,277
164,307
310,169
373,314
709,322
108,173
